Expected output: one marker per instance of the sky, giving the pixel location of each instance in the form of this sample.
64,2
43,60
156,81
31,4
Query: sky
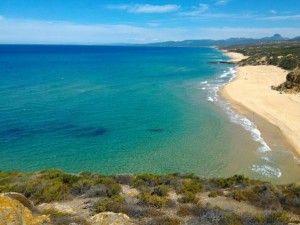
147,21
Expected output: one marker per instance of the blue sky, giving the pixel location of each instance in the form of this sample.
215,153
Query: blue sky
100,22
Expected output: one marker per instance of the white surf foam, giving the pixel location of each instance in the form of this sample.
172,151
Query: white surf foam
267,171
213,87
210,99
267,159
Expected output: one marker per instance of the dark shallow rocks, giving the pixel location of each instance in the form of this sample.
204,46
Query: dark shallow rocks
156,130
222,62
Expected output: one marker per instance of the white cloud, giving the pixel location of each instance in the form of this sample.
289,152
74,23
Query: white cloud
153,24
273,11
145,8
222,2
197,10
291,17
55,32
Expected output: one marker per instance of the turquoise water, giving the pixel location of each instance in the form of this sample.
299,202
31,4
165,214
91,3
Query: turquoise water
121,110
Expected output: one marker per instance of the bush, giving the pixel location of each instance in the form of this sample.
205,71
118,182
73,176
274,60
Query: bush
288,63
214,194
149,180
63,220
96,191
206,214
230,219
116,204
241,195
190,186
43,190
264,196
82,186
184,210
153,200
125,179
112,187
59,218
161,191
165,220
189,197
232,181
277,218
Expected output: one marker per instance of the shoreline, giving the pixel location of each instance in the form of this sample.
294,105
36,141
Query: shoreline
250,95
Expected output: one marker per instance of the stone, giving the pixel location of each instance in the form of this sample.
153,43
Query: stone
110,218
292,83
48,208
20,198
12,212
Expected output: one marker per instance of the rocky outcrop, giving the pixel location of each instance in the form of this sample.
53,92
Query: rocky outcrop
292,83
20,198
13,212
48,208
110,218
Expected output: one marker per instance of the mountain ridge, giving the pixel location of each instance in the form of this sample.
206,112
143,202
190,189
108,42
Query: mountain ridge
223,42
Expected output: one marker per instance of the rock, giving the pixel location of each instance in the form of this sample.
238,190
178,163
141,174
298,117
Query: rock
294,76
110,218
12,212
292,83
50,208
20,198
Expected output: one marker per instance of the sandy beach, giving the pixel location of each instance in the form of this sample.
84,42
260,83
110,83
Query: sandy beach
251,90
235,57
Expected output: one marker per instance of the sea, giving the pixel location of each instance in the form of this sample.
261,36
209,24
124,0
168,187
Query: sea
128,109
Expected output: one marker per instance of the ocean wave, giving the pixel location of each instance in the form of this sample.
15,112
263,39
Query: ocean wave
210,99
267,159
212,87
267,171
247,125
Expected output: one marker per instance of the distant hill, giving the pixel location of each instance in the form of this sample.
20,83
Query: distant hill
296,39
222,43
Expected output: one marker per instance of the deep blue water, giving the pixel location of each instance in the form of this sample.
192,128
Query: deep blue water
118,110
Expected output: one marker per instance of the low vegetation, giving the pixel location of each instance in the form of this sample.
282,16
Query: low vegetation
159,199
283,54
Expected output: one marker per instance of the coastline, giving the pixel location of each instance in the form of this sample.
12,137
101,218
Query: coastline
250,94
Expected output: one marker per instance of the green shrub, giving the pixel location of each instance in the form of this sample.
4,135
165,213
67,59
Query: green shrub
52,191
265,196
165,220
230,219
112,187
288,63
82,186
161,191
214,194
153,200
126,179
116,204
190,186
277,217
232,181
149,180
189,197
